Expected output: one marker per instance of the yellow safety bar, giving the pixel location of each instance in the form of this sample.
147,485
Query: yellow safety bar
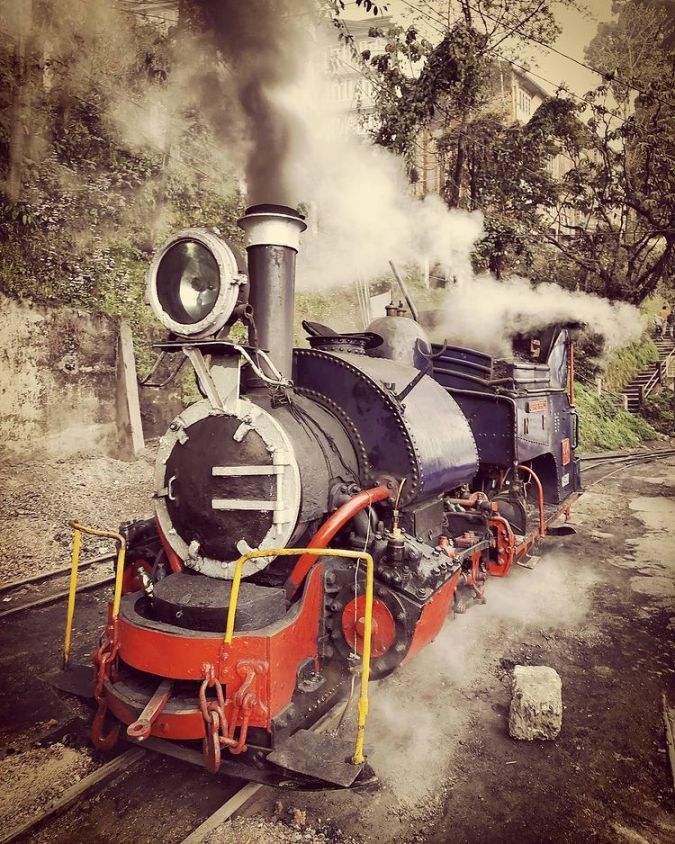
358,758
74,569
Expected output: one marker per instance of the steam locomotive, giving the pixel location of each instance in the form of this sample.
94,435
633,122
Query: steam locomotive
318,513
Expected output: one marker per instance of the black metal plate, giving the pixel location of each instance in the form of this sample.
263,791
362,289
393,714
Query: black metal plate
318,755
211,443
197,602
76,680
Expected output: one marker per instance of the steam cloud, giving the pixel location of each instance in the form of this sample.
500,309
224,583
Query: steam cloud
361,210
258,76
486,313
437,692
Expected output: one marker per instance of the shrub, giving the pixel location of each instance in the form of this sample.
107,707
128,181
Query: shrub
604,426
659,410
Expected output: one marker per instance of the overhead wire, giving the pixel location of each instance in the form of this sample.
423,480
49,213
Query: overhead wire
608,77
527,70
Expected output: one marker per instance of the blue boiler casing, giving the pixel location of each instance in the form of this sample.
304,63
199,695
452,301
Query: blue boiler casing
404,424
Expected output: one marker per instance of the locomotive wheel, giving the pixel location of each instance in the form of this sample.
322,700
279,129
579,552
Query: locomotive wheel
383,630
390,638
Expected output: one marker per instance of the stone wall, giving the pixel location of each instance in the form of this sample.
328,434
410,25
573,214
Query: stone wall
66,384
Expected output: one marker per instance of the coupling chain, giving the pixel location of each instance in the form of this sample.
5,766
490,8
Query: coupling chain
104,659
216,731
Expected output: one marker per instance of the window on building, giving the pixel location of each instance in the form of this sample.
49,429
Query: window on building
524,102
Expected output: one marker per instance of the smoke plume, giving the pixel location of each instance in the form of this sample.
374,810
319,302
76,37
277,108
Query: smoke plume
257,74
261,41
361,212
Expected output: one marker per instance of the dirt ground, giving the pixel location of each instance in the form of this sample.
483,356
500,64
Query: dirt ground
599,608
38,499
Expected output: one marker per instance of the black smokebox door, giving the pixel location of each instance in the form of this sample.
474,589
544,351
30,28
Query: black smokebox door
210,444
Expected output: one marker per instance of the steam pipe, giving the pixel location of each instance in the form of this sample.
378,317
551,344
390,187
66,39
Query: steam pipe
540,498
570,359
328,530
404,291
273,240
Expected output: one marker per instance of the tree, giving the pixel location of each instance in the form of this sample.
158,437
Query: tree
443,90
611,216
615,211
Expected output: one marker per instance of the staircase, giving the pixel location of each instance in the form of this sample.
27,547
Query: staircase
644,382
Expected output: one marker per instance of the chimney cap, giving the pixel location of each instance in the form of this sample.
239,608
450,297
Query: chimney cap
268,208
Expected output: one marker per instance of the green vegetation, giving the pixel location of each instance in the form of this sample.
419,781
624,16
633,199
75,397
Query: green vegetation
604,426
659,411
627,362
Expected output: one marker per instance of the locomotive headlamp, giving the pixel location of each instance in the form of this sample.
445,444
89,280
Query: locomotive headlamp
194,283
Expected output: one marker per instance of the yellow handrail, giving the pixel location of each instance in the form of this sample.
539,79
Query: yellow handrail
358,758
74,568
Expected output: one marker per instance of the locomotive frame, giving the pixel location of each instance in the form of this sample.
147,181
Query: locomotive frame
434,466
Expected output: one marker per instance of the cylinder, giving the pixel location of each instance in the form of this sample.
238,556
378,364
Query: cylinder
273,238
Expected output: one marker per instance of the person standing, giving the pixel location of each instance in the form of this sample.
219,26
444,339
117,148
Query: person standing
661,320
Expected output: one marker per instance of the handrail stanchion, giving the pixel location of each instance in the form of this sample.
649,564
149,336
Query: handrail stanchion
75,563
358,758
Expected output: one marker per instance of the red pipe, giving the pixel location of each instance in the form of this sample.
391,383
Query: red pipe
540,495
471,501
328,530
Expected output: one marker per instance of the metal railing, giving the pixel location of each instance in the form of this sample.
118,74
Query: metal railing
78,530
358,758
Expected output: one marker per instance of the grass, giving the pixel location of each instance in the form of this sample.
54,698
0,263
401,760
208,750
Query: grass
660,411
604,426
627,362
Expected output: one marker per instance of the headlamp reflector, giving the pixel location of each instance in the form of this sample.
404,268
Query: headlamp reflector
194,283
188,282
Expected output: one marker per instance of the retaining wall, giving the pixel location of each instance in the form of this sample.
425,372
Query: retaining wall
67,384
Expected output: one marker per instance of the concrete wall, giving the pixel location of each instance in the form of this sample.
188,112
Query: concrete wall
66,384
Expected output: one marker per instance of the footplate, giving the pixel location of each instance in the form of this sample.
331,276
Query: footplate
318,755
76,680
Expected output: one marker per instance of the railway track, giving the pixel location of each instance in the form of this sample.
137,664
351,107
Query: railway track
43,589
621,460
122,777
593,460
117,782
19,595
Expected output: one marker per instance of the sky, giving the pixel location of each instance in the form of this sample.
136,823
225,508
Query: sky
578,28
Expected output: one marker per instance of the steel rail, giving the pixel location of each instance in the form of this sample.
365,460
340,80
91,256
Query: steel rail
48,575
629,455
71,795
247,792
57,596
631,461
623,465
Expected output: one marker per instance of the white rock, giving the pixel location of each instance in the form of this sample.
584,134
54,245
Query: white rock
536,703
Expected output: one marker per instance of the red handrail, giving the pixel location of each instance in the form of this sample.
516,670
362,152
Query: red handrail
329,528
540,495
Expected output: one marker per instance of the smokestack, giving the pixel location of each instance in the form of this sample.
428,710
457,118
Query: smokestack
273,240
